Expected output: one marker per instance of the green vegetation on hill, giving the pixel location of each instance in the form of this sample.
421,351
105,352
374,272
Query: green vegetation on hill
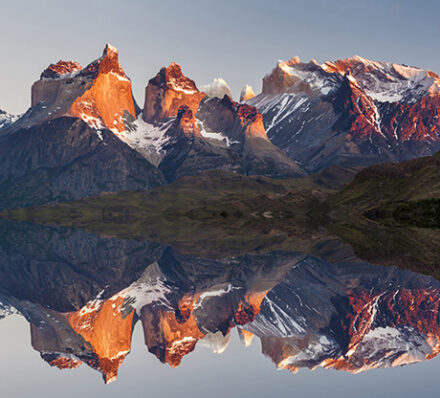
389,214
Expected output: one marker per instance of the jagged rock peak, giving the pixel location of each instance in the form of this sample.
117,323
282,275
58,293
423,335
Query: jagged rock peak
167,92
6,119
249,117
61,69
382,81
174,79
247,93
217,88
108,63
100,94
186,121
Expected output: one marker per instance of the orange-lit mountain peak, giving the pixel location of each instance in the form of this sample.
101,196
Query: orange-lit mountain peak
110,95
246,337
108,332
100,94
167,92
187,122
250,119
249,307
61,69
247,93
168,336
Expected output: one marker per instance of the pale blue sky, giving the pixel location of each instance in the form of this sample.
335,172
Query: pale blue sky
239,40
238,372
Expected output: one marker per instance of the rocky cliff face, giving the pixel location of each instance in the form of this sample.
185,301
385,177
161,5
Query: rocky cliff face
350,112
241,128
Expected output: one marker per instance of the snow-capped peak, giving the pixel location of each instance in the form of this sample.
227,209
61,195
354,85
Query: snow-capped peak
382,81
247,93
217,88
6,119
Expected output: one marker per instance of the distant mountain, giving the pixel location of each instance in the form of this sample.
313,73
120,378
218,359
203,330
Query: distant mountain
6,119
350,112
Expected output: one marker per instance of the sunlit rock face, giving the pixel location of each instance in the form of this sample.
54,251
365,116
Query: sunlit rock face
366,112
167,92
100,94
237,121
108,331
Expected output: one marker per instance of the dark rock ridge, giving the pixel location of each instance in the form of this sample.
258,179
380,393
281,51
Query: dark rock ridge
6,119
350,112
65,159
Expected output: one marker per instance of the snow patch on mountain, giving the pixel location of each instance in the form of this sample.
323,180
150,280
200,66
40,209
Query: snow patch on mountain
382,81
247,93
215,135
216,342
280,107
146,138
150,288
7,119
6,310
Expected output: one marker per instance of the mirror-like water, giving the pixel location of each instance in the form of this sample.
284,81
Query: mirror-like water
155,320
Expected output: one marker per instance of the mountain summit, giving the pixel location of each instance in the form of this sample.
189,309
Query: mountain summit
100,94
351,112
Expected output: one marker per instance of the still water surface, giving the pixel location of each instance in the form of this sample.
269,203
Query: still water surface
148,319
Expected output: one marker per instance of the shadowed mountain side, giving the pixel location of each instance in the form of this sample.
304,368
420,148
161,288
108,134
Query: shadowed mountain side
389,214
65,268
65,159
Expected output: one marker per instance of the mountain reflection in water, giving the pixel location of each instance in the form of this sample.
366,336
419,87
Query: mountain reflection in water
83,294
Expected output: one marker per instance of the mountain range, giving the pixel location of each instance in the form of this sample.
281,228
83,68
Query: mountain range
84,133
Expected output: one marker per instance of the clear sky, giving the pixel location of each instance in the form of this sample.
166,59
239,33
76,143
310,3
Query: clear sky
239,40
